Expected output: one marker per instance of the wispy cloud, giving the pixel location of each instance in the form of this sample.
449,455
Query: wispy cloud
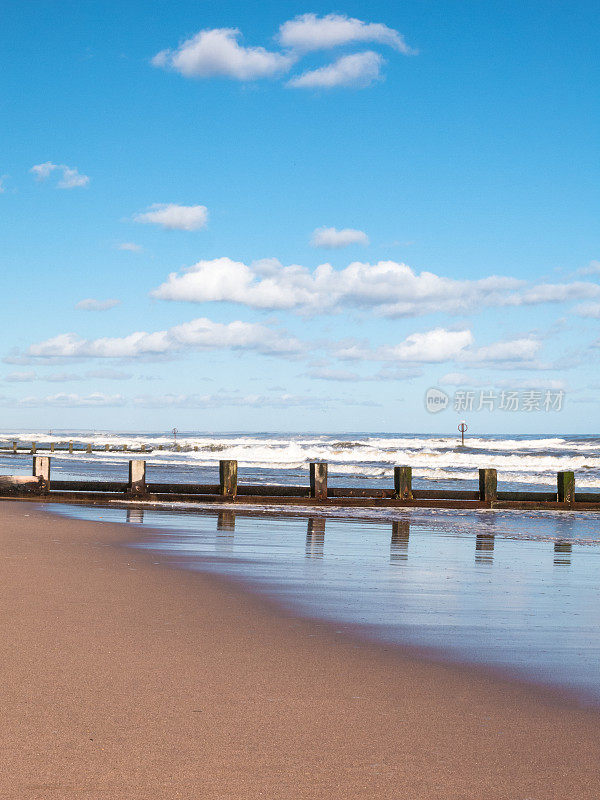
218,52
90,304
70,178
588,310
174,217
20,377
593,268
358,71
72,400
308,32
334,238
131,246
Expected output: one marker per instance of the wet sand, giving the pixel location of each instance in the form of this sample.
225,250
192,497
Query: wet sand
121,678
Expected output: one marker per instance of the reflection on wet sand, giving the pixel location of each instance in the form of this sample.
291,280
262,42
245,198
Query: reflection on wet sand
315,537
399,543
225,530
484,548
562,553
432,583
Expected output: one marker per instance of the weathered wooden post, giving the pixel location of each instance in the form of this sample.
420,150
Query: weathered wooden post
318,480
143,448
160,447
15,447
33,447
124,447
51,447
41,469
403,483
107,447
565,484
137,477
88,449
70,447
228,478
488,485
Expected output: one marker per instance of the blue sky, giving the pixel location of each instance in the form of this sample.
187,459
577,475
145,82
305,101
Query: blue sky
440,157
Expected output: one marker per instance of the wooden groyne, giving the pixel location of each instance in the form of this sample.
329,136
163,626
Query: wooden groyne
41,486
72,447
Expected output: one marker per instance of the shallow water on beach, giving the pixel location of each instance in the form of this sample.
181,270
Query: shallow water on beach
513,590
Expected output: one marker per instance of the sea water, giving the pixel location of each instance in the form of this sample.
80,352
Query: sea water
358,459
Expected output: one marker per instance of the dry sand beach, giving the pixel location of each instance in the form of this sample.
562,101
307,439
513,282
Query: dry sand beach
125,678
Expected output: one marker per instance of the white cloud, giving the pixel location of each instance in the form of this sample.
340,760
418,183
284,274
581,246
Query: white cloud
218,52
131,246
560,292
308,32
431,346
90,304
174,217
70,178
523,349
334,238
388,288
199,334
71,400
441,345
358,70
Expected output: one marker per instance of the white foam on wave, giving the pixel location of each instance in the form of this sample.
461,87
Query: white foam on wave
533,461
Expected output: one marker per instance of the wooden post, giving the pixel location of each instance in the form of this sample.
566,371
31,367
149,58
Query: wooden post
70,447
51,447
143,448
403,483
137,477
107,447
488,485
565,483
33,447
228,478
15,447
41,469
124,447
88,449
318,480
160,447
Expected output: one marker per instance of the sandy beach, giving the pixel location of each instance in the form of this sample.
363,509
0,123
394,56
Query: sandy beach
126,678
